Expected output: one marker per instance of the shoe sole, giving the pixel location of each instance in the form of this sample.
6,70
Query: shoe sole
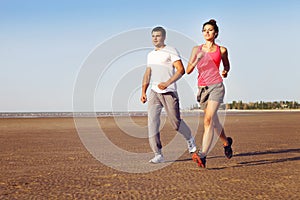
157,162
196,158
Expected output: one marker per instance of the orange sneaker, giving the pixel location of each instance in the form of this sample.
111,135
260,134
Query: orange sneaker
200,161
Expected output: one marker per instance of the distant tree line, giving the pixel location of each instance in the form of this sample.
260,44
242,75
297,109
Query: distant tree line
259,105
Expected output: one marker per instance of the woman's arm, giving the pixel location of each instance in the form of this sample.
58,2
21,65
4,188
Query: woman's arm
194,59
225,61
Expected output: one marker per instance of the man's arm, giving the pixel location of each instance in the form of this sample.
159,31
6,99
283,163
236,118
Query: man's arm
178,74
145,84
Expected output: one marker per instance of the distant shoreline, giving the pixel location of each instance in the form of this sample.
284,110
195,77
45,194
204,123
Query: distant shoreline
5,115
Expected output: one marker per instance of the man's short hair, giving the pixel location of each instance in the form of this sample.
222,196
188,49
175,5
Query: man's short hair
159,29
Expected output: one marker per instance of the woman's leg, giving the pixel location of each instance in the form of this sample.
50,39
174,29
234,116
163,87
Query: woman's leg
219,130
209,116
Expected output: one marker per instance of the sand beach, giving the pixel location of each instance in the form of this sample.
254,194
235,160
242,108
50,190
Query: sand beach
44,158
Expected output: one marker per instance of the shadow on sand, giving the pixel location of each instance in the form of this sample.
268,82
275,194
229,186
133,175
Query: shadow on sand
263,161
252,162
277,151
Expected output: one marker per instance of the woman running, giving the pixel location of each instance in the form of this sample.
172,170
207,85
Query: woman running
207,58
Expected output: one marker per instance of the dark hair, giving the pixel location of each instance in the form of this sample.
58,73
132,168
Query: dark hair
159,29
214,24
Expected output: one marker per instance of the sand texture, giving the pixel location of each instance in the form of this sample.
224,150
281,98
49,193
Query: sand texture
44,158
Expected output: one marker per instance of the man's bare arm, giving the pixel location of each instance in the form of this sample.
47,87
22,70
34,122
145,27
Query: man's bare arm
145,84
178,74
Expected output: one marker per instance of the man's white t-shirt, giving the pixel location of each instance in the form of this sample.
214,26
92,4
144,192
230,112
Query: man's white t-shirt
162,69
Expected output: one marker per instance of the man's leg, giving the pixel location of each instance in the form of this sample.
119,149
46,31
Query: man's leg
154,111
171,105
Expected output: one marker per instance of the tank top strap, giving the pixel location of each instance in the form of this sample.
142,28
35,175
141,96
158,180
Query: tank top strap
199,48
201,45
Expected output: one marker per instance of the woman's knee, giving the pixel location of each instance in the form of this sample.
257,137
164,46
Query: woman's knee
207,120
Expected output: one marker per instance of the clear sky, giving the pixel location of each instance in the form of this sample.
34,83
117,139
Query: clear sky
44,45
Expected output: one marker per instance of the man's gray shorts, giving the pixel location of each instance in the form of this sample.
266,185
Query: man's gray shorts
213,92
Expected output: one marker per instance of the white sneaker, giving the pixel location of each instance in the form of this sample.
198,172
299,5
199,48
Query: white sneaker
191,145
157,159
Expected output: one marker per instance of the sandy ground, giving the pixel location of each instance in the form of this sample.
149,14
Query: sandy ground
45,159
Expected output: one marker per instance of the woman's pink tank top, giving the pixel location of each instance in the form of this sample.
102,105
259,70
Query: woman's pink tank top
208,68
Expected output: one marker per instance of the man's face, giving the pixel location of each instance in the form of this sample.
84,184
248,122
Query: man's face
158,39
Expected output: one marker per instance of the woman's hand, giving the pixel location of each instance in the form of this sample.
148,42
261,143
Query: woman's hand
224,73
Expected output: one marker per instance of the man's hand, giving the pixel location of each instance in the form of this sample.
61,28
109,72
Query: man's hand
144,98
162,85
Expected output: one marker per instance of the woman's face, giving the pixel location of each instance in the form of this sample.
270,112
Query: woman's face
209,32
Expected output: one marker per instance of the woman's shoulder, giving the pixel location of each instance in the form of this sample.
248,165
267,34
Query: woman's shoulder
195,48
223,49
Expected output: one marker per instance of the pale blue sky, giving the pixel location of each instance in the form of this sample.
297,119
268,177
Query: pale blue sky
45,43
